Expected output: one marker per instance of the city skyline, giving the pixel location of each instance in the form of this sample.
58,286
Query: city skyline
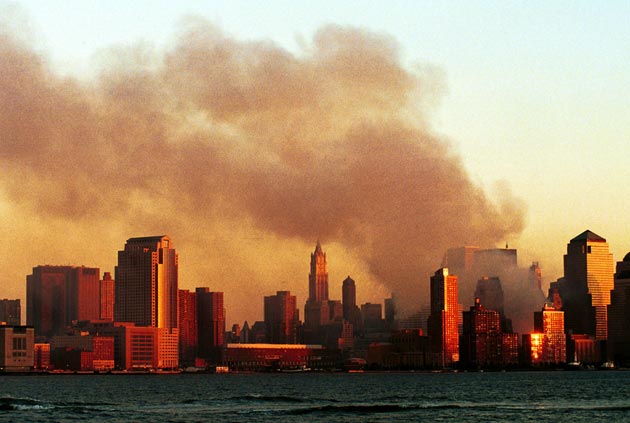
339,138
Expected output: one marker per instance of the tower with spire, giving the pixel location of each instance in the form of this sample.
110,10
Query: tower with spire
317,308
318,278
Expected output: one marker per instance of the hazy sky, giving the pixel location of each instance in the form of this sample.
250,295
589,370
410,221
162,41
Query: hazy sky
531,98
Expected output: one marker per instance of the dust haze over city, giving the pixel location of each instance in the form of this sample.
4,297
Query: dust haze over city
245,154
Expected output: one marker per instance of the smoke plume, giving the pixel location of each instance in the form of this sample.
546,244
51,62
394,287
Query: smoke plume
245,154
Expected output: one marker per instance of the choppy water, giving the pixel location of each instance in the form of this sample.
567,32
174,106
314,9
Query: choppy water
586,396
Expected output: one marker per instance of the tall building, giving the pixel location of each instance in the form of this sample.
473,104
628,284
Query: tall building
10,312
550,323
58,295
146,283
146,292
481,341
619,315
210,324
187,325
316,310
443,320
107,293
351,311
318,278
281,318
588,280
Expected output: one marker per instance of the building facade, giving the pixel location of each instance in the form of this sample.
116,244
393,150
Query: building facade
146,293
58,295
10,312
281,318
108,295
585,289
17,348
210,324
619,315
316,310
443,320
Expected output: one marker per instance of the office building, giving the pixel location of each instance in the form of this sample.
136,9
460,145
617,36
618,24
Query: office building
281,318
146,292
58,295
443,320
585,289
10,312
17,348
619,315
210,324
107,294
316,310
550,323
187,325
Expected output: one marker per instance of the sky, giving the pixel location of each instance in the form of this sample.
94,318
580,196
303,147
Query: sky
525,103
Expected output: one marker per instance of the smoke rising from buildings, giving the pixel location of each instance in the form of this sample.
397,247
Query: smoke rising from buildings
245,154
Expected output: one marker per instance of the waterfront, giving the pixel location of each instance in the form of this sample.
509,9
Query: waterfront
378,397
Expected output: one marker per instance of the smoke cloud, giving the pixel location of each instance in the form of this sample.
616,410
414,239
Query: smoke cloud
245,154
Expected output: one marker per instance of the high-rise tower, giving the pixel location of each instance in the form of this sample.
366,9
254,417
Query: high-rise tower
318,278
281,318
210,324
588,280
317,308
619,315
146,283
58,295
443,330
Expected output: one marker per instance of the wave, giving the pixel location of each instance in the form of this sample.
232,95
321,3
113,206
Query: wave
370,408
12,404
281,398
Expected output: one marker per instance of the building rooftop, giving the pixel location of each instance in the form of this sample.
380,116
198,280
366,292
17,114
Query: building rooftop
156,238
588,236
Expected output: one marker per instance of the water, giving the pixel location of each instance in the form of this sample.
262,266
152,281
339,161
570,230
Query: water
585,396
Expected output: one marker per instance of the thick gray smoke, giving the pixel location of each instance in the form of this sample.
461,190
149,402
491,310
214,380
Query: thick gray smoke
245,154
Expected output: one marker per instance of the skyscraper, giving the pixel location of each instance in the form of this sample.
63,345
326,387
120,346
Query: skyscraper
550,322
481,341
107,297
316,310
146,292
187,325
146,283
348,298
318,278
588,280
619,314
281,318
58,295
210,324
442,324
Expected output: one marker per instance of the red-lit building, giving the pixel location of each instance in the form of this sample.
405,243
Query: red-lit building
481,341
281,318
107,296
58,295
187,327
147,293
443,320
210,324
41,357
316,309
82,352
